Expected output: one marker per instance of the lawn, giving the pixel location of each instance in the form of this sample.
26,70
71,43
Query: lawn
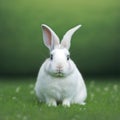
18,102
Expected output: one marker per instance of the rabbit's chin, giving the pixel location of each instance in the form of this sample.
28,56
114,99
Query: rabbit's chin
58,74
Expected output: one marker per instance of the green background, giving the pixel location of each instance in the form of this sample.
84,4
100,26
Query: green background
95,47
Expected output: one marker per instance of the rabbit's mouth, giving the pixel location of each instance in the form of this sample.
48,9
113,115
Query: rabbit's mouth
59,74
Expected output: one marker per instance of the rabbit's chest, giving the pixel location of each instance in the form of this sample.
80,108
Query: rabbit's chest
61,89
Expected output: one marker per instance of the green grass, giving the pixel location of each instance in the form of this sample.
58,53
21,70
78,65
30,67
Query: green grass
18,102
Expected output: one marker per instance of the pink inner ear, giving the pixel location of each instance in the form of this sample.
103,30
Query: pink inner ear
64,44
48,36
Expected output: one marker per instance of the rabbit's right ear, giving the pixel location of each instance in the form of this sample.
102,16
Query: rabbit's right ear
66,41
50,38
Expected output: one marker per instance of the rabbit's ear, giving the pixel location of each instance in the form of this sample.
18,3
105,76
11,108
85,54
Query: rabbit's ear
67,37
50,38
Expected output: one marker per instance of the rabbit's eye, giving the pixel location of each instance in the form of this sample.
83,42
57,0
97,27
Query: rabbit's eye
51,57
68,57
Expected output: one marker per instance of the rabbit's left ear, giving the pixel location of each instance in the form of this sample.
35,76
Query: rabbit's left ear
50,38
67,37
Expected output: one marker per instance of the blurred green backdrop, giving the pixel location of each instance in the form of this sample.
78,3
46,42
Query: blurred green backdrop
95,47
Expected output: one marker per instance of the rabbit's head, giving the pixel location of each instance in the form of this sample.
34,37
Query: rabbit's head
59,64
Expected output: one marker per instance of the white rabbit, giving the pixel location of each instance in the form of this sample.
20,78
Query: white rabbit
59,80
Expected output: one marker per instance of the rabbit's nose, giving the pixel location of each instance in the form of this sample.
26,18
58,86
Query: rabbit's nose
59,66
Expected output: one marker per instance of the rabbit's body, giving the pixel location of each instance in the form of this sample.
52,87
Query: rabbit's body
58,89
59,80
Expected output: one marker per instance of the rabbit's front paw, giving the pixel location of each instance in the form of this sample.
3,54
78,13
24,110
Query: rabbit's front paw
51,102
66,103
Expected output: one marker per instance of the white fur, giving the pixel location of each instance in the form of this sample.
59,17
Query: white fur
59,80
